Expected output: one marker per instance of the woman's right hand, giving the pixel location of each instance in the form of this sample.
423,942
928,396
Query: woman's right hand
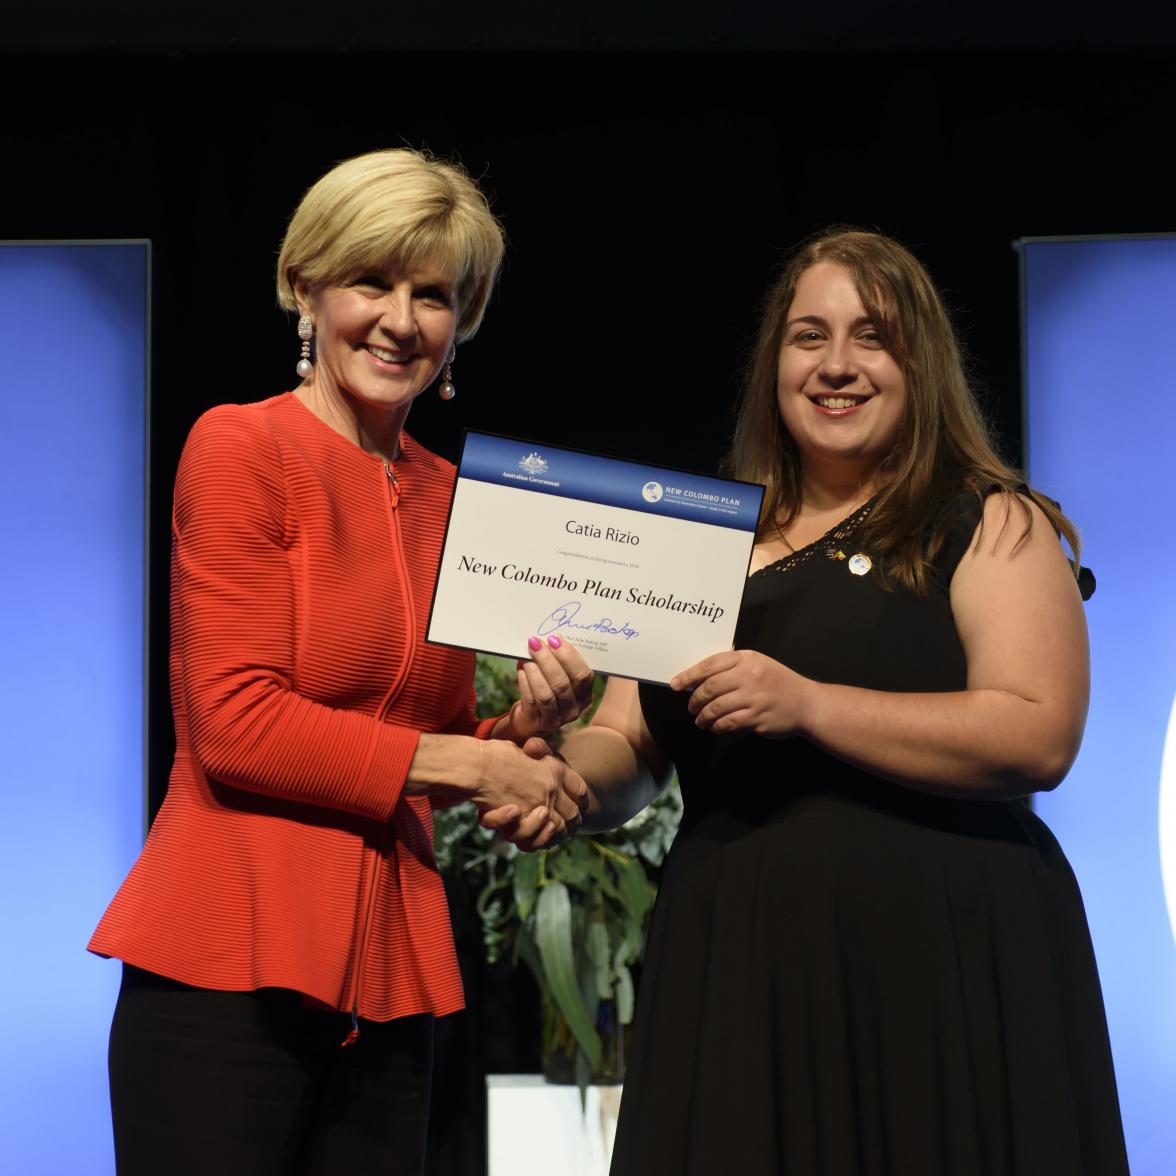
529,794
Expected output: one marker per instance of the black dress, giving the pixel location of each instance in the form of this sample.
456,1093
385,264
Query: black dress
847,977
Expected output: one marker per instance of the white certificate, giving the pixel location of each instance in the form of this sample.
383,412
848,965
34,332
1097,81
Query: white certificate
641,568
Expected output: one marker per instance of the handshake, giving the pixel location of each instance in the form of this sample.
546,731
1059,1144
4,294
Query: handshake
533,798
529,795
520,787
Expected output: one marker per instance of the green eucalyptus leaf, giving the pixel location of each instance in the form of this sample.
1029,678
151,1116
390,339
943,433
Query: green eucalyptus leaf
588,987
579,848
624,990
452,836
630,949
553,936
495,684
610,891
526,884
636,892
583,1078
598,954
568,870
525,950
575,857
652,847
492,941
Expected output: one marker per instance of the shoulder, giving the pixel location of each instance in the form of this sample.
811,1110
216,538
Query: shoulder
239,427
1008,519
241,440
990,514
1013,541
236,431
232,458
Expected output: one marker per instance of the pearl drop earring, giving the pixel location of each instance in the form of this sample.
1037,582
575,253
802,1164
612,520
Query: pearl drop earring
305,332
446,390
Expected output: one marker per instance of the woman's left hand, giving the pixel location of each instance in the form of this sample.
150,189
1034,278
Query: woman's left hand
742,690
555,687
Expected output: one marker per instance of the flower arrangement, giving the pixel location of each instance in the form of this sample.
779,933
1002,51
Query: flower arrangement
575,915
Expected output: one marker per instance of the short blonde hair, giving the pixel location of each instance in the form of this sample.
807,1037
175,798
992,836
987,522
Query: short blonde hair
401,207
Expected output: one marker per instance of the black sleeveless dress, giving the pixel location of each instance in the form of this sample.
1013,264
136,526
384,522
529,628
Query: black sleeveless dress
849,978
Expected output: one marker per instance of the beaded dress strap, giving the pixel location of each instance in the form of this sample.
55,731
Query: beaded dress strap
831,544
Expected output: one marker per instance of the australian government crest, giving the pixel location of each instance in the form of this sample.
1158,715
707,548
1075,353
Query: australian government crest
533,463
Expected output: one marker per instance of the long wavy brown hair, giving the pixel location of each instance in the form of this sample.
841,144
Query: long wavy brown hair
944,447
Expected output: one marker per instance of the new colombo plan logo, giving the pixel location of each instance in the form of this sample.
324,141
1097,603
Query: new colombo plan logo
533,464
652,491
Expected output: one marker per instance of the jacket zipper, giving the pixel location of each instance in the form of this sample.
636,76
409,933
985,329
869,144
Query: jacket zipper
393,486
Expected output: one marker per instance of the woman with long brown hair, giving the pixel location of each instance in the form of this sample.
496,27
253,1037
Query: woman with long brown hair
868,955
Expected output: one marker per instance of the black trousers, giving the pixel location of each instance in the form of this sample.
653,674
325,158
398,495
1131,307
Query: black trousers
210,1083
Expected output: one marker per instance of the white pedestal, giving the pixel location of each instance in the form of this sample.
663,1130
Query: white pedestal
535,1128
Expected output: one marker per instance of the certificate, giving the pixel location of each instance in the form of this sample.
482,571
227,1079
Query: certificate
641,568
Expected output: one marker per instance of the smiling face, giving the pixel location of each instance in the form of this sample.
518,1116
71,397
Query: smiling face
380,339
840,392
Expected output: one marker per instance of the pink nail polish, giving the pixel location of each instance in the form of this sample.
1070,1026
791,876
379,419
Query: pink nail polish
554,641
533,643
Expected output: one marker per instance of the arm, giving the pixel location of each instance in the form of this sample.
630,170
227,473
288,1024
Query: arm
234,620
617,758
496,776
1015,729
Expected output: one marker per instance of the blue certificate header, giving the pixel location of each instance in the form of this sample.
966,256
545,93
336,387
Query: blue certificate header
610,481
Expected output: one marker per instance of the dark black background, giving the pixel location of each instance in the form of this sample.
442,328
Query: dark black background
648,197
650,164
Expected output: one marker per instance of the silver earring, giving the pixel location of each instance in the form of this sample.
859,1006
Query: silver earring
447,391
305,332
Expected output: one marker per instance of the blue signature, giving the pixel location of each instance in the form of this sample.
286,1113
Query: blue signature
561,618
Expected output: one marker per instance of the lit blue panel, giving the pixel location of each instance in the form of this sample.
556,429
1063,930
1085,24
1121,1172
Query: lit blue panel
72,449
1100,323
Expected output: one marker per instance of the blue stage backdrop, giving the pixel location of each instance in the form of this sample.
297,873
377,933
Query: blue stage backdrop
1100,320
73,319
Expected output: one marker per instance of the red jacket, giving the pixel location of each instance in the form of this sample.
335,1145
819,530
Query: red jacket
284,854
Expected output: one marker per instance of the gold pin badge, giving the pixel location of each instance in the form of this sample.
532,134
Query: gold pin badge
860,564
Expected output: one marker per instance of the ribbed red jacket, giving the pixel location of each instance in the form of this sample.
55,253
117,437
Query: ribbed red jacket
285,853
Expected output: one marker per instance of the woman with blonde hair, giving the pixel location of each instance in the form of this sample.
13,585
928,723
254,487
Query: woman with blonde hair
285,936
868,955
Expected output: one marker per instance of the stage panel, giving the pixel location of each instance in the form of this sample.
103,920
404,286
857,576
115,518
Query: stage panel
72,618
1101,438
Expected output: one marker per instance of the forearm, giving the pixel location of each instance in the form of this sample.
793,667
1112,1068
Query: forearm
253,732
980,743
496,777
447,767
620,782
